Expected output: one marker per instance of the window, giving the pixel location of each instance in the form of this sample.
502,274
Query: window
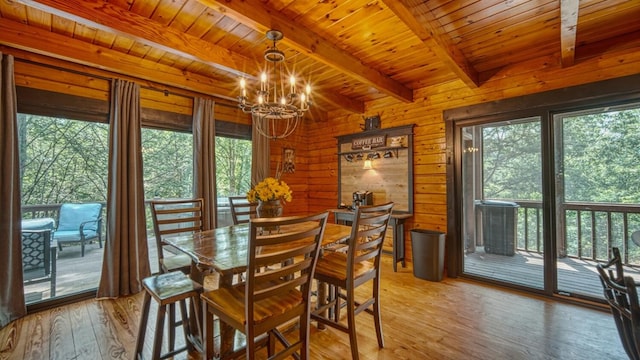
233,173
167,158
63,161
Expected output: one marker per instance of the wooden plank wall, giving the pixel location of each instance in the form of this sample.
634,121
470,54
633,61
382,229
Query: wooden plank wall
45,73
430,152
314,182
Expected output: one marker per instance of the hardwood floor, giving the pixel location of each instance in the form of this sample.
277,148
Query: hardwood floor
452,319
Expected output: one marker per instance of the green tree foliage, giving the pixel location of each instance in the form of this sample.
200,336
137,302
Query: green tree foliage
168,164
511,161
600,157
233,166
64,160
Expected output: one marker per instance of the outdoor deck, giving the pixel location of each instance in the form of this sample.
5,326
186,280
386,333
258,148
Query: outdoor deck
76,273
524,268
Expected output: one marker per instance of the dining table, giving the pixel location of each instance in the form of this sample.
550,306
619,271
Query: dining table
224,250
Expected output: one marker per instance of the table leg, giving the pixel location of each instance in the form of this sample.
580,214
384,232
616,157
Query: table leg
402,244
321,301
196,317
398,243
226,332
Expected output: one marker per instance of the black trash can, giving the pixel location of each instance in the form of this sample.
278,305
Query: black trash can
499,221
427,248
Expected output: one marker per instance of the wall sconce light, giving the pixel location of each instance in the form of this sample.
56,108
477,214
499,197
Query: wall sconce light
367,165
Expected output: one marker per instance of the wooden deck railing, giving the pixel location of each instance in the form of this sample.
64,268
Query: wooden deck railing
585,231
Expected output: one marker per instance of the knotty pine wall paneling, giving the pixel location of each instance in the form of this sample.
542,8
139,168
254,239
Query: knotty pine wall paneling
45,73
430,152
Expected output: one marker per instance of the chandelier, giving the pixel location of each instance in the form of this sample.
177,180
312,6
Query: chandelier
278,105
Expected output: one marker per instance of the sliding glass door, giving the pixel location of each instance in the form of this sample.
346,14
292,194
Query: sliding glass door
63,168
501,176
550,235
597,194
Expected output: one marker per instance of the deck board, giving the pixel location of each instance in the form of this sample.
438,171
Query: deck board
575,276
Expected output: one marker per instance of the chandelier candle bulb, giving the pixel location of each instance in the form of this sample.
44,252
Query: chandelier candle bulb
275,110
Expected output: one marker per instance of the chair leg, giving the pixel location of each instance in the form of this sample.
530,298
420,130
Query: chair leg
336,298
271,344
143,324
376,313
157,341
304,337
82,248
351,321
172,326
207,331
185,324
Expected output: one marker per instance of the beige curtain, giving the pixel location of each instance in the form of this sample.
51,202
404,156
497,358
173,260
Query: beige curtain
12,304
126,257
260,155
204,158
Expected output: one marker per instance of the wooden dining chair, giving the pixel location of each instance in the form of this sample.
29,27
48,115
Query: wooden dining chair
272,294
621,294
242,211
344,272
171,218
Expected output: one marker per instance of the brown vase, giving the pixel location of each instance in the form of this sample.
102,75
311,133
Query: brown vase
269,209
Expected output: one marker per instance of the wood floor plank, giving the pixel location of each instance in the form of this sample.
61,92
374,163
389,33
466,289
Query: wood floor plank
12,347
61,334
455,319
108,332
38,346
84,337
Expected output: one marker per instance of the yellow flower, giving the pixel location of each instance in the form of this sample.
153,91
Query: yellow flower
270,189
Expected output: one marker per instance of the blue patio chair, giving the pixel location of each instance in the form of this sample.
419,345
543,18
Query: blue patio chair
79,224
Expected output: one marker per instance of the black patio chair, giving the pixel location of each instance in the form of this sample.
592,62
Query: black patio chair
621,294
38,258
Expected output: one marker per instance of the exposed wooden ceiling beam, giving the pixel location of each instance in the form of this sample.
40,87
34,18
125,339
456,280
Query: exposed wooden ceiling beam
104,16
255,14
33,39
568,28
427,28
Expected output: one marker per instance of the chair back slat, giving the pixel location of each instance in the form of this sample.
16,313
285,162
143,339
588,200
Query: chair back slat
172,217
242,211
367,237
281,264
621,294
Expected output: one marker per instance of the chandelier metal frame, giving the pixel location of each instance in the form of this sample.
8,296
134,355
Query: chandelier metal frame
279,104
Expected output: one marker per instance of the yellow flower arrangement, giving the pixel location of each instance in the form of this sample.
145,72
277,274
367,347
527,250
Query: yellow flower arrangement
269,189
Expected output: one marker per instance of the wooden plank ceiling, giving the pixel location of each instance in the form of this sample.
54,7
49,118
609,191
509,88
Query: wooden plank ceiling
352,51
